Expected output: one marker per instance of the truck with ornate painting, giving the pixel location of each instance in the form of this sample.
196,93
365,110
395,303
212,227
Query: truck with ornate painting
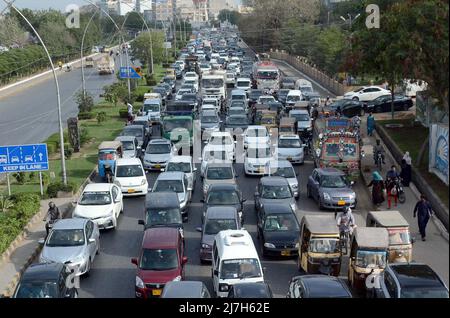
337,144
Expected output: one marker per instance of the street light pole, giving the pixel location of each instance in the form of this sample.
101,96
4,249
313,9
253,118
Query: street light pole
351,20
58,96
83,81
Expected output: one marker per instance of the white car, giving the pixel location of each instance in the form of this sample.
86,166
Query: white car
290,148
181,92
256,158
230,79
223,138
367,93
216,153
205,67
180,64
184,164
244,83
256,135
266,99
211,101
102,203
235,68
129,176
191,75
192,82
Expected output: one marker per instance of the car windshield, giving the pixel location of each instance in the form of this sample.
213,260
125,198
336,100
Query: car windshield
169,186
212,83
258,153
266,99
159,259
276,192
223,197
107,155
235,120
214,226
179,166
60,238
286,172
370,258
293,98
188,97
306,89
324,245
399,236
95,198
222,140
136,132
255,94
237,97
409,292
150,108
172,124
158,149
219,173
157,217
345,150
280,223
332,181
243,83
128,145
210,119
37,289
270,75
267,120
301,117
240,268
289,143
257,132
215,154
129,171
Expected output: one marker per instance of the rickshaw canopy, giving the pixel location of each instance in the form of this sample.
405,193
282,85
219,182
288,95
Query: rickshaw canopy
321,224
110,145
388,218
372,237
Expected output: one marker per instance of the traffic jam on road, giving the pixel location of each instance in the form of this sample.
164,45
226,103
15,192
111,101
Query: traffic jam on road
234,180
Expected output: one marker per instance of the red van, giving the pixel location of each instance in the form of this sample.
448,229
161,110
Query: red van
161,260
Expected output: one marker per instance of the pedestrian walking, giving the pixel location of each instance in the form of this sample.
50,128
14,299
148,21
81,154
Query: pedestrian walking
423,211
377,185
370,124
405,174
130,112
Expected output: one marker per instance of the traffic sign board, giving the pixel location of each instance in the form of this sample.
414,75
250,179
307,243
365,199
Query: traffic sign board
23,158
129,72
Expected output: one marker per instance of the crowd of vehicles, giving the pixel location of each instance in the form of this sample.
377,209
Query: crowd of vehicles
256,109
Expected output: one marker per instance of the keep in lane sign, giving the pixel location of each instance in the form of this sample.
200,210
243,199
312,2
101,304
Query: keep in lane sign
130,72
23,158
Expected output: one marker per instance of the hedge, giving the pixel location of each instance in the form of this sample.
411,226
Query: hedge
53,188
86,115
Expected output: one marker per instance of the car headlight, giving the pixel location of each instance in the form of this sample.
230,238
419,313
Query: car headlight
177,279
293,206
78,259
295,186
139,282
206,246
110,213
223,287
205,187
352,196
269,245
143,181
326,196
309,128
297,245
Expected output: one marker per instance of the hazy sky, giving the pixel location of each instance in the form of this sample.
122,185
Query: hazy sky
46,4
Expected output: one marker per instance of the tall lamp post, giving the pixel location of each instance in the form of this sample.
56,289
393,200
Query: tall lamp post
350,20
83,80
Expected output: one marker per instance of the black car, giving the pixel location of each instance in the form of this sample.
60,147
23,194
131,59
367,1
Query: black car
253,96
349,108
169,81
288,82
224,194
162,209
281,95
48,280
383,103
185,289
250,290
411,280
237,121
161,91
318,286
278,230
168,89
191,98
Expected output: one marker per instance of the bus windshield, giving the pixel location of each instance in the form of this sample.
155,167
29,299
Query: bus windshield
212,83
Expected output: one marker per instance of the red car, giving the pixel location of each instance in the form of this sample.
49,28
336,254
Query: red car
161,260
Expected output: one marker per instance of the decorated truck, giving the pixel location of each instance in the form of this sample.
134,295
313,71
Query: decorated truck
337,144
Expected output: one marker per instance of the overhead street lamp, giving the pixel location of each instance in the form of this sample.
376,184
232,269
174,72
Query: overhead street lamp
58,96
83,80
350,20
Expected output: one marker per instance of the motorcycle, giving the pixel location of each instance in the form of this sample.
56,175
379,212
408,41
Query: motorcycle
400,192
108,174
379,161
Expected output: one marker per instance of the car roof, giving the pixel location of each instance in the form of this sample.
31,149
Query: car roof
162,200
162,237
254,127
219,164
128,161
238,91
273,181
220,134
183,289
181,159
129,127
70,224
159,141
324,286
289,137
94,187
330,171
236,244
223,186
295,92
415,275
280,163
277,208
125,138
221,212
42,271
209,112
299,111
171,175
258,145
243,79
140,118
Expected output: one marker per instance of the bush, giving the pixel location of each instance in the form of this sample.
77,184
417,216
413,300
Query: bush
5,203
68,151
52,147
123,113
84,136
25,205
20,177
86,115
53,188
150,80
85,101
101,117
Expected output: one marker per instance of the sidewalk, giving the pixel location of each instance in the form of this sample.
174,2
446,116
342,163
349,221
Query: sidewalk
28,248
435,250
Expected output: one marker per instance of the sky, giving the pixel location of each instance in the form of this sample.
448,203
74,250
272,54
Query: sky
46,4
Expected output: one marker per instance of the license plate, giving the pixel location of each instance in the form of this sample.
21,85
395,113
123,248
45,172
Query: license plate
341,202
285,253
156,292
131,190
261,170
157,166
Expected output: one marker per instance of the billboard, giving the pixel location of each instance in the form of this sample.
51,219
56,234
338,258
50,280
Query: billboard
438,152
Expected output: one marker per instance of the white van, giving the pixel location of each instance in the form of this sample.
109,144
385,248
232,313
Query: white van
238,94
294,96
234,260
304,85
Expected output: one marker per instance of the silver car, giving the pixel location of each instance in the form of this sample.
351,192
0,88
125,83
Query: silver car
158,153
290,148
183,164
73,242
218,173
330,188
283,168
175,182
131,149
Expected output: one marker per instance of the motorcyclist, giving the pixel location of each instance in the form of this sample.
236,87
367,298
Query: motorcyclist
378,148
345,220
392,174
52,216
60,64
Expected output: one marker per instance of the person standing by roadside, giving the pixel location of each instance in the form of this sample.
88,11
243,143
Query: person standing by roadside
423,211
406,169
377,185
370,124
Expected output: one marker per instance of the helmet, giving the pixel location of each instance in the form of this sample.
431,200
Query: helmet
51,204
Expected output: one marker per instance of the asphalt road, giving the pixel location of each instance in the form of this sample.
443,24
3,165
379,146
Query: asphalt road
113,275
30,115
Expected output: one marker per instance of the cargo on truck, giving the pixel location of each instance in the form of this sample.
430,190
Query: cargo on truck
105,65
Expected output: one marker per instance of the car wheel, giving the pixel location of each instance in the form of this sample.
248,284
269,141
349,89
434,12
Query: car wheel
355,98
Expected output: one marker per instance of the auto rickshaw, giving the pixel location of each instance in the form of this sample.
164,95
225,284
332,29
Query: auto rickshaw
319,250
89,62
400,241
368,255
108,153
287,126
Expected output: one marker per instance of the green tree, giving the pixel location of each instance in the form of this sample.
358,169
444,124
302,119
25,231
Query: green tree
142,45
11,32
230,15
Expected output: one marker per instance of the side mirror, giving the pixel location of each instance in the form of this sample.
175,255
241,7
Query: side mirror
141,222
198,229
134,261
189,189
41,241
244,200
91,240
216,272
195,169
413,240
74,202
184,260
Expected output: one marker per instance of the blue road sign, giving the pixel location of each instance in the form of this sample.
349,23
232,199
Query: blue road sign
128,72
23,158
